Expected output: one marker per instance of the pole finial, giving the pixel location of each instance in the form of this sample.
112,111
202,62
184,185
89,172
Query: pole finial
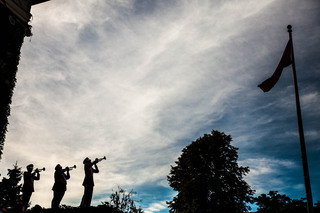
289,27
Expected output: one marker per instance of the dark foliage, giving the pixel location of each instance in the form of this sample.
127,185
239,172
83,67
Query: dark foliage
11,39
123,201
10,197
69,209
277,203
208,179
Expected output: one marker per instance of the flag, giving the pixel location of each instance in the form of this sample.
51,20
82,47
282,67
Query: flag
285,61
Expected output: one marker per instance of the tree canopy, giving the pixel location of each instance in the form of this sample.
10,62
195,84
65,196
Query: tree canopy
10,189
208,178
273,202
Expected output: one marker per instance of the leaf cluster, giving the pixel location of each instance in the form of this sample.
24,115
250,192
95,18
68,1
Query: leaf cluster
10,188
208,178
123,201
273,202
11,39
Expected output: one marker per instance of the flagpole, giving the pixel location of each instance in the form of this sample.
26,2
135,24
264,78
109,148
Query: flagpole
301,135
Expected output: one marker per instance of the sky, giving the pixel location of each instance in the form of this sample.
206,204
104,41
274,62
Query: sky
137,81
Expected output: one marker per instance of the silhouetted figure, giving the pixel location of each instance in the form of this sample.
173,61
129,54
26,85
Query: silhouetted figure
37,209
88,181
60,185
28,185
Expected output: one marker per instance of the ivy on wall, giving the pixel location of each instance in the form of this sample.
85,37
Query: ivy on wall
12,34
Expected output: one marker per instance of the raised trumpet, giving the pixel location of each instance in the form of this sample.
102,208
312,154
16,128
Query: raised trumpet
70,167
97,160
40,170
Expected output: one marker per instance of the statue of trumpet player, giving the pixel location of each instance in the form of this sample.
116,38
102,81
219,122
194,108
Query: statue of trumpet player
88,182
60,185
28,185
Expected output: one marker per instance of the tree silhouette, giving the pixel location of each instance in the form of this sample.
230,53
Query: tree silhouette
10,189
273,202
123,201
208,179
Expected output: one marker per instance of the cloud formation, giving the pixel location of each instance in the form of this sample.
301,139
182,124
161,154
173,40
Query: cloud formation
137,81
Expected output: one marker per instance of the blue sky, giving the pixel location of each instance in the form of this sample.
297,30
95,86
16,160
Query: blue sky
137,81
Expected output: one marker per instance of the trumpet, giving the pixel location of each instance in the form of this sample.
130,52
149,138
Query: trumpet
97,160
40,170
70,167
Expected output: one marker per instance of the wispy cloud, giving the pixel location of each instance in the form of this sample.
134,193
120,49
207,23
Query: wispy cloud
265,172
137,81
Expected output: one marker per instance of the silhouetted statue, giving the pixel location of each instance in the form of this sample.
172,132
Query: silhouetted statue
28,185
60,185
88,180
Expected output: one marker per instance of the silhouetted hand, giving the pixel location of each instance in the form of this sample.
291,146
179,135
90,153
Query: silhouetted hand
96,161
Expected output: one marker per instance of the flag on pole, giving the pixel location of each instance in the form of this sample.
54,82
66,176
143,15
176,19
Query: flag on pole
285,61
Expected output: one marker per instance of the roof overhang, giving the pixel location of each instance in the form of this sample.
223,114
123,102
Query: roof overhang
33,2
21,8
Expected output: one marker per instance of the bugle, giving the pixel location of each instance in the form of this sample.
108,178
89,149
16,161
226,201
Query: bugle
40,170
97,160
70,167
